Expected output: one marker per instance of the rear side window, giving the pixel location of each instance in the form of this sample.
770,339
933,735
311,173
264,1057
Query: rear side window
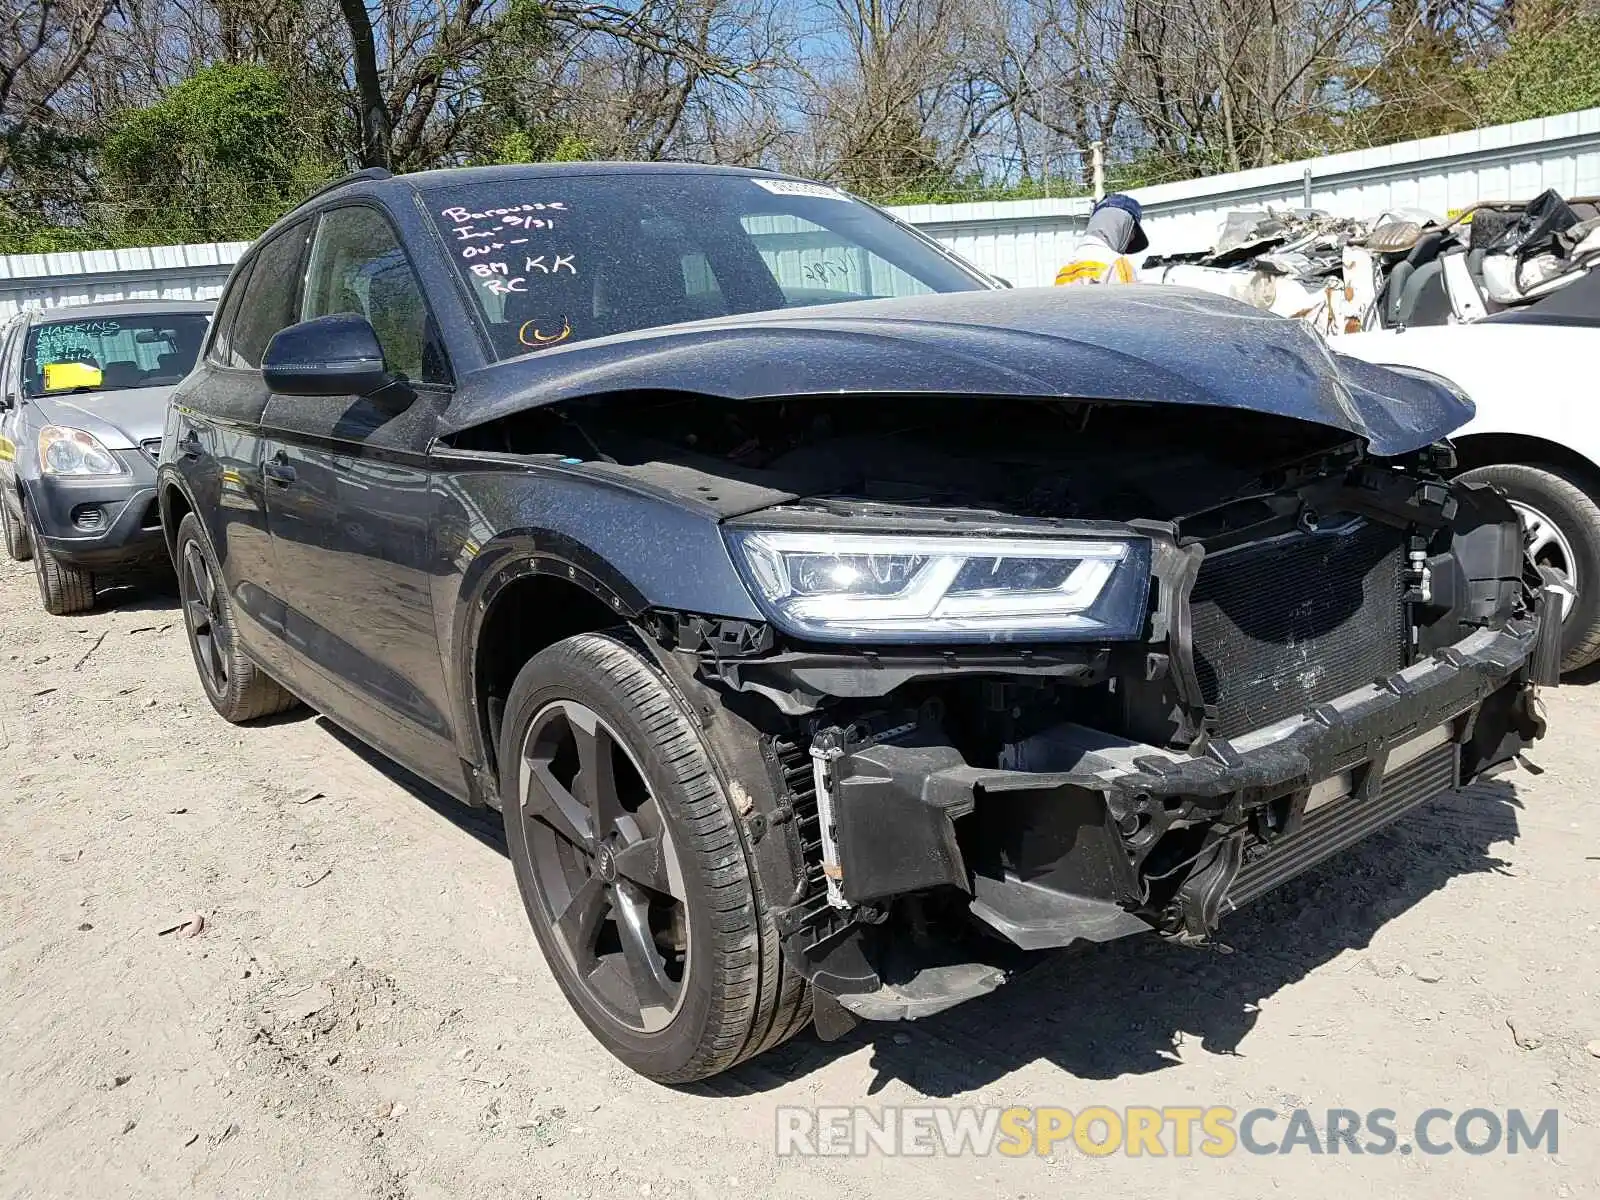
222,339
270,295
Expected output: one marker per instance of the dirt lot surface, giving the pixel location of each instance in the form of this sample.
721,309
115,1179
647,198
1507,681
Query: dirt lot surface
364,1012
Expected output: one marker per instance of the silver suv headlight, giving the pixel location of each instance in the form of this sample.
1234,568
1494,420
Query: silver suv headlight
67,451
855,586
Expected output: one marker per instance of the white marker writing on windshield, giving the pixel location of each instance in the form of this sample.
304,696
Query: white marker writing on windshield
460,216
562,260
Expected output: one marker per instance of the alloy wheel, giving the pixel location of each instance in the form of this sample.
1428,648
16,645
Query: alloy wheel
207,629
604,868
1547,545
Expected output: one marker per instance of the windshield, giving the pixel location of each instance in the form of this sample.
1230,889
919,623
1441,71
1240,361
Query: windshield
556,259
110,354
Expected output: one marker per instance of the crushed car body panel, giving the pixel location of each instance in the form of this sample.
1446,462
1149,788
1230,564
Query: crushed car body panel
1136,344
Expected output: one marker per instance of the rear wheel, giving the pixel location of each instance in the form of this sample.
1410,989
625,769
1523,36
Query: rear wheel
64,588
1561,525
237,688
633,870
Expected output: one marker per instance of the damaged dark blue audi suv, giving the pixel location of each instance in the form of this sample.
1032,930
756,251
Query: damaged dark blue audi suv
835,629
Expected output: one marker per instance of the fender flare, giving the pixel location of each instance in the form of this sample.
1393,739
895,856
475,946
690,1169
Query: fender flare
510,556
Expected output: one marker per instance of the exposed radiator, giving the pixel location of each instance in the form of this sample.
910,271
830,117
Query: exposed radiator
1284,624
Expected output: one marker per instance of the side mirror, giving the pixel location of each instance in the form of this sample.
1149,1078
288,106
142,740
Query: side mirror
338,355
1002,281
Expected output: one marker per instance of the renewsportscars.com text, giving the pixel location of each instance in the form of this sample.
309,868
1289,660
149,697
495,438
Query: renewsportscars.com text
1171,1131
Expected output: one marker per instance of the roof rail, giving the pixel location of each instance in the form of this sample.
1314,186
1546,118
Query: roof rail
372,173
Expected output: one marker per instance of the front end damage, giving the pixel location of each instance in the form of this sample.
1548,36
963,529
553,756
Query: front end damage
1328,640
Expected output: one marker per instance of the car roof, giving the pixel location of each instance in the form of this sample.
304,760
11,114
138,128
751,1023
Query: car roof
427,181
373,182
121,308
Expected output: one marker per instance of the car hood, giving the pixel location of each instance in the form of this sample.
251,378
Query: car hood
119,419
1149,344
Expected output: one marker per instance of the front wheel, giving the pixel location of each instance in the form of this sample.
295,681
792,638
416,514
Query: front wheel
14,533
632,867
65,588
1561,527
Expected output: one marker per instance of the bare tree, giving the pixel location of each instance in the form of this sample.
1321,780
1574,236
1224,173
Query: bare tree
883,94
44,46
662,78
1235,84
372,110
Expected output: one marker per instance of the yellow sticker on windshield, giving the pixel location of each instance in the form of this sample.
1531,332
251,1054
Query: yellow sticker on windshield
61,377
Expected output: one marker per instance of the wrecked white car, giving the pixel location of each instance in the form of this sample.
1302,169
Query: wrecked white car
1400,270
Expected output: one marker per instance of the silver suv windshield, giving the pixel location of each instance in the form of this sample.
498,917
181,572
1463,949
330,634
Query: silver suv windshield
108,354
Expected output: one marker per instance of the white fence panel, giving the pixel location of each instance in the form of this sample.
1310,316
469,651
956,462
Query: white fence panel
195,272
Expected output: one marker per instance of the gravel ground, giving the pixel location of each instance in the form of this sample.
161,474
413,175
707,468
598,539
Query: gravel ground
364,1011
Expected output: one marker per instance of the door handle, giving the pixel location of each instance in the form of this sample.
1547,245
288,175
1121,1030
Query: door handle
279,471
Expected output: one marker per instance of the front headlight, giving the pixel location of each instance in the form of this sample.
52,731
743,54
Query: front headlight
853,586
64,451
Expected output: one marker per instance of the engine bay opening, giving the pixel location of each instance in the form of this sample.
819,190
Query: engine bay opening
1026,457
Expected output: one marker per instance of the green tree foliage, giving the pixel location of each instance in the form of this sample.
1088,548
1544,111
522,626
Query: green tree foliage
220,156
536,143
50,160
1548,68
1422,86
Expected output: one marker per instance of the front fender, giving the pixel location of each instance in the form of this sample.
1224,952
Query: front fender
632,550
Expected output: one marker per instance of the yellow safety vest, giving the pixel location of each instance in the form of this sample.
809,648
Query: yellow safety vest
1093,270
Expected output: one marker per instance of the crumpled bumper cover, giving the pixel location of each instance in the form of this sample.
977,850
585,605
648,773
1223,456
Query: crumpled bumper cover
1053,857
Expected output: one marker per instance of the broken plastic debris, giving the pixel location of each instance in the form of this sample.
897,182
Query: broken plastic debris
190,927
1524,1034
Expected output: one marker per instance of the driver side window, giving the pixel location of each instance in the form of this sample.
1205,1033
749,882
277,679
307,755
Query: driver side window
357,266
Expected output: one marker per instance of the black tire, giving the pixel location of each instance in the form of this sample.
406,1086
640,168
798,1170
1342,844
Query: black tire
1567,499
14,533
237,688
64,588
734,995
